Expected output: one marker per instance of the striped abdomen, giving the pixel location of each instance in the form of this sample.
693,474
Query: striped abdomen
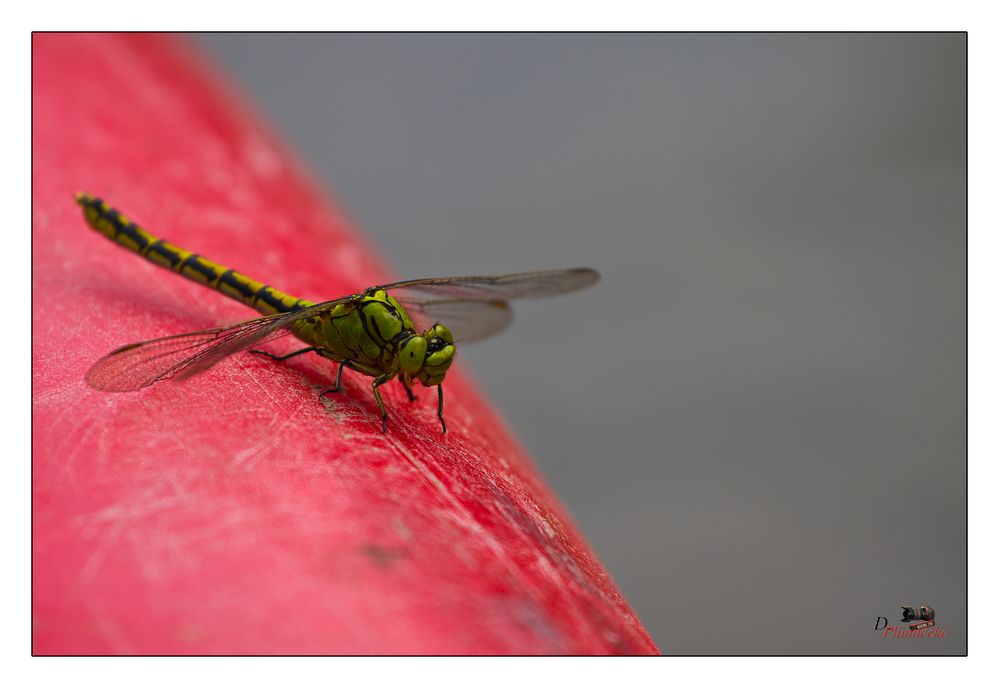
120,230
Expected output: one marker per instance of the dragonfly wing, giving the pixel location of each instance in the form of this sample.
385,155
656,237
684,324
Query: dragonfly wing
139,365
520,285
469,321
182,356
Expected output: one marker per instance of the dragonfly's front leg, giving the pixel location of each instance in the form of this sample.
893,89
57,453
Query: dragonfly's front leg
378,382
440,408
409,389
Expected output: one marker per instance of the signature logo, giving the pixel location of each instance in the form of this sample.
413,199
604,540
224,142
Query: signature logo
917,622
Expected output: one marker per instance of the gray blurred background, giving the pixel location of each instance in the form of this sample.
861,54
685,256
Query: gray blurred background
758,417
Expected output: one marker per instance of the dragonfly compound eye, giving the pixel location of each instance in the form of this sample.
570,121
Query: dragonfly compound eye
444,333
440,355
411,356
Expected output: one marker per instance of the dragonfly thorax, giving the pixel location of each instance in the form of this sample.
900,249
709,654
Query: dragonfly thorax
424,356
375,335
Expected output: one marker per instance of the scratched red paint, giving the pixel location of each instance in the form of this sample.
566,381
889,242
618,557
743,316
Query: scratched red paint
236,513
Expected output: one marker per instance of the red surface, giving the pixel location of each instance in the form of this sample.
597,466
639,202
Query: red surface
236,513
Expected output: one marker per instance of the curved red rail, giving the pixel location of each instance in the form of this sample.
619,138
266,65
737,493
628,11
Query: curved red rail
236,513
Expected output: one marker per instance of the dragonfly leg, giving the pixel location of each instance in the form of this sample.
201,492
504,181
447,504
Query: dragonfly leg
336,385
409,390
378,382
286,356
440,407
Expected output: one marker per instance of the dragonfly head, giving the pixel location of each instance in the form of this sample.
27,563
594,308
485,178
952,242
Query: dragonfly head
427,356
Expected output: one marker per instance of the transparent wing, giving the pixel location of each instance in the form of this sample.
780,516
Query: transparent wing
182,356
521,285
469,321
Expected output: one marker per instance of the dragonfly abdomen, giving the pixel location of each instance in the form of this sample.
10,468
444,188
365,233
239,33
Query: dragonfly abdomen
119,229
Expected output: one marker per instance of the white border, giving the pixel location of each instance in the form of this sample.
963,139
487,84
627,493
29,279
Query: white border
728,15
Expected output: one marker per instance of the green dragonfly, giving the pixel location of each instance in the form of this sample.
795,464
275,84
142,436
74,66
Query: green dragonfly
373,332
